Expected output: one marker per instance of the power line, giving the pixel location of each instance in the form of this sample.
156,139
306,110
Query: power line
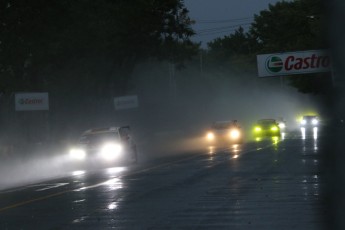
223,20
218,32
221,29
244,22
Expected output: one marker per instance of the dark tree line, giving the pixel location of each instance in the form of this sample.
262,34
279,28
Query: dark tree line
91,47
83,53
100,42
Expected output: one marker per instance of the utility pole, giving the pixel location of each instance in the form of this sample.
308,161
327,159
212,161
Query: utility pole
201,64
172,81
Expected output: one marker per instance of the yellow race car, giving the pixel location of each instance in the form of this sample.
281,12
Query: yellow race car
266,128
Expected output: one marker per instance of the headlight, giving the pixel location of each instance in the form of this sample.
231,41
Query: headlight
111,151
257,129
303,122
274,128
234,134
281,125
314,121
77,154
210,136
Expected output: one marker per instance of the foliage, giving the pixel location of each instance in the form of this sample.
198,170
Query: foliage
40,41
285,26
289,26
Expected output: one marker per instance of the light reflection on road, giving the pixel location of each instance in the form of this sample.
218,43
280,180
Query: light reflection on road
310,183
315,130
273,179
211,149
311,187
274,140
112,183
78,173
234,151
304,133
112,205
115,170
235,156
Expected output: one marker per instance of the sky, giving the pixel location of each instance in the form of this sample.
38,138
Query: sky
217,18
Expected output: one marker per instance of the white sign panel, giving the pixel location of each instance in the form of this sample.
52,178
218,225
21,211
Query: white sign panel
302,62
31,101
126,102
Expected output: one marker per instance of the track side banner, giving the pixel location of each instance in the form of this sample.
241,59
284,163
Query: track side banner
31,101
300,62
126,102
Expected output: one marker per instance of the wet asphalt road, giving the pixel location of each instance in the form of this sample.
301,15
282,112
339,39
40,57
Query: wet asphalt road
268,184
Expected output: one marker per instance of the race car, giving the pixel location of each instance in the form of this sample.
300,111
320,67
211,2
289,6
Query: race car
225,132
110,145
266,128
309,121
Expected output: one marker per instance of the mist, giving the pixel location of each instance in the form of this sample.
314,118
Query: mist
176,107
35,168
179,107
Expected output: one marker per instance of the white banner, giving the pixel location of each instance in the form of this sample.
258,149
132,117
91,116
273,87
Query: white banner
126,102
300,62
31,101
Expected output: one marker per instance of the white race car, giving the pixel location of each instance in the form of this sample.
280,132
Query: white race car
309,121
113,144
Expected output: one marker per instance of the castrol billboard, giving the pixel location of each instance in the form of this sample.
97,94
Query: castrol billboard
31,101
126,102
300,62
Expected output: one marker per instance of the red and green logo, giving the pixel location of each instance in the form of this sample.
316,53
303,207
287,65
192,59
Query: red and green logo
274,64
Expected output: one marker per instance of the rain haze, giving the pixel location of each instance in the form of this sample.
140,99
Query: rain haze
116,108
176,107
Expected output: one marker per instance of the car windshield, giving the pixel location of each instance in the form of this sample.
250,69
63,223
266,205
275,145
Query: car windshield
309,117
98,138
222,125
266,122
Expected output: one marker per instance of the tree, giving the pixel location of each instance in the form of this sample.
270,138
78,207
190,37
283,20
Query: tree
286,26
83,51
39,38
294,26
289,26
233,52
28,32
237,43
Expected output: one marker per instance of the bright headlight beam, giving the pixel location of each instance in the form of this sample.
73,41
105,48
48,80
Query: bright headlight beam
235,134
77,154
314,121
111,151
257,129
281,125
303,122
274,128
210,136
